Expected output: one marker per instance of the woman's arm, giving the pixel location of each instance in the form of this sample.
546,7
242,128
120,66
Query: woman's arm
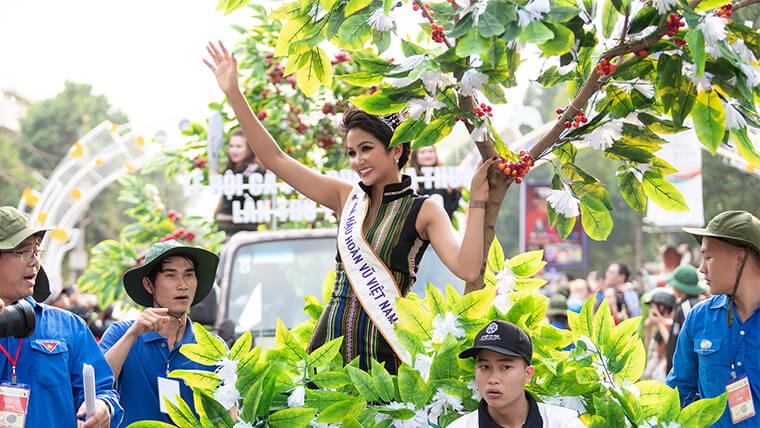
328,191
464,258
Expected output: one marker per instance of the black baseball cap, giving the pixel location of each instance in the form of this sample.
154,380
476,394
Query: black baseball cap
502,337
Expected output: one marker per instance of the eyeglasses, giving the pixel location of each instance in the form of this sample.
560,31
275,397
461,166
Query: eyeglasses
28,255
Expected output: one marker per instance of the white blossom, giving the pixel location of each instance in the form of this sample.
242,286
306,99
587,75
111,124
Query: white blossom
297,397
734,118
433,79
480,133
713,28
227,370
410,63
502,302
418,420
399,82
315,424
604,136
713,50
428,105
567,68
442,399
576,403
505,285
422,364
379,21
473,386
472,81
227,395
563,202
633,119
664,6
241,424
752,73
702,83
644,87
443,326
533,11
743,51
639,170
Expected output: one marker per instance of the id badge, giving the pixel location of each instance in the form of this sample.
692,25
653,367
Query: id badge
740,399
169,389
13,402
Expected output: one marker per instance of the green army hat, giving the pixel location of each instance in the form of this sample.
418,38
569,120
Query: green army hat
205,270
14,228
739,228
685,279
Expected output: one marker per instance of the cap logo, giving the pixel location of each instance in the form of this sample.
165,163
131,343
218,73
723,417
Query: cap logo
491,328
705,344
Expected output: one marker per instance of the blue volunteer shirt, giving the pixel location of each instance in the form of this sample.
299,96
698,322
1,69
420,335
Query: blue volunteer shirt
148,359
706,346
50,362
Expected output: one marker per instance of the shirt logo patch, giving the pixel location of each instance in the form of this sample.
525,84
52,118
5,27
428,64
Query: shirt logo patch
50,345
705,344
491,328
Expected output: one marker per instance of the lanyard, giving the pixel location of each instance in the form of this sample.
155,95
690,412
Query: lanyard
13,361
734,351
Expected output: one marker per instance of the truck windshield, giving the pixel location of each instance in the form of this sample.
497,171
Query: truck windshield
269,280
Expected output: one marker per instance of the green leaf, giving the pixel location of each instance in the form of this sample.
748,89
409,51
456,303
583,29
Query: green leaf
363,383
364,79
342,410
657,399
377,103
331,379
462,27
295,418
636,362
210,348
200,379
292,31
668,79
497,13
662,193
407,131
620,102
745,147
181,413
316,71
354,32
685,96
536,32
355,6
564,225
596,224
494,93
703,412
631,189
495,259
217,415
609,18
434,132
199,354
434,300
284,339
446,363
527,263
411,387
603,323
696,41
475,304
561,43
709,119
383,382
325,353
472,44
593,194
415,318
241,347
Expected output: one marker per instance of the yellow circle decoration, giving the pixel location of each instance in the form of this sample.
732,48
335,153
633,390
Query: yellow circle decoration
59,234
98,162
114,127
41,217
76,193
29,198
140,141
128,165
77,150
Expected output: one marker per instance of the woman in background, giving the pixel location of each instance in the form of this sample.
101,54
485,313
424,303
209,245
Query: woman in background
428,157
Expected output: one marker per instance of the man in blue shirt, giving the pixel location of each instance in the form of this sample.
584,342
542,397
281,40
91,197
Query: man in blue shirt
46,366
718,346
143,352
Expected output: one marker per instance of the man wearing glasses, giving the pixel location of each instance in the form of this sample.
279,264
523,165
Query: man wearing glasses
41,382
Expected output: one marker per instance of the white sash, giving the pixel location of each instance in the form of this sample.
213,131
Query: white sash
370,279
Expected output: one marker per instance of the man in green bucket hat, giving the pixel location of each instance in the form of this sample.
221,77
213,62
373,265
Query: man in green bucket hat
684,281
44,364
142,352
717,349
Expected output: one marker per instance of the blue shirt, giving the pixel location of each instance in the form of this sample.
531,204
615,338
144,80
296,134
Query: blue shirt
148,359
706,346
50,362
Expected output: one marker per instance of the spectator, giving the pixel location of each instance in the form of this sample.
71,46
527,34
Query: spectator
579,294
503,353
427,158
661,302
142,352
556,313
718,345
685,283
595,281
47,367
617,278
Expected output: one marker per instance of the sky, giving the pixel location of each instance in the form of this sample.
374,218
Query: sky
143,55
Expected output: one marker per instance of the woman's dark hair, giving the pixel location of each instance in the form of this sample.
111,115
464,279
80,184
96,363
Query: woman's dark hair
356,118
248,157
415,163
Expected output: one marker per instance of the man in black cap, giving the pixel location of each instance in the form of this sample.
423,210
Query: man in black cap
503,353
717,349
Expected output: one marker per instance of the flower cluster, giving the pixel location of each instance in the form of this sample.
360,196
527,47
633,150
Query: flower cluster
725,10
516,169
483,110
605,68
438,35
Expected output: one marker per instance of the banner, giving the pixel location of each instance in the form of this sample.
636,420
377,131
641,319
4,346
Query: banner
535,233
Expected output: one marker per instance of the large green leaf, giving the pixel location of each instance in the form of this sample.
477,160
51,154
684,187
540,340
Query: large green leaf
354,32
536,32
631,189
596,224
383,382
181,413
292,418
285,340
325,353
364,79
620,102
497,14
703,412
363,383
561,43
412,387
446,363
685,96
745,147
407,131
475,304
291,32
696,41
415,318
662,193
527,263
668,79
657,399
472,44
435,300
435,131
216,414
609,18
355,6
377,103
201,379
315,71
495,260
709,119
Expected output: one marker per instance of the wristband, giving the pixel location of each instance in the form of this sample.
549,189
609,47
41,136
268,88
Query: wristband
477,204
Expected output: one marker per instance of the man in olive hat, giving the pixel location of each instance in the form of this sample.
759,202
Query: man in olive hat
684,281
717,349
45,367
142,352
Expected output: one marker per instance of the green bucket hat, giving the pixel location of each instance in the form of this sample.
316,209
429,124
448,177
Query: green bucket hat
205,270
14,228
685,279
739,228
557,305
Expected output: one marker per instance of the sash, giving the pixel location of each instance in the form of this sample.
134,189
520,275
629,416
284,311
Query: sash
370,279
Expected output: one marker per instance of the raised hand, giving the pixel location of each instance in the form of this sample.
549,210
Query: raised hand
150,320
479,187
224,67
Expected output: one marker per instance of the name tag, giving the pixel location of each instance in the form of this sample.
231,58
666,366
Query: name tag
169,389
13,402
740,399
